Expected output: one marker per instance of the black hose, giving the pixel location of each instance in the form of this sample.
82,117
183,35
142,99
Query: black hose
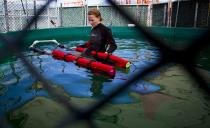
23,7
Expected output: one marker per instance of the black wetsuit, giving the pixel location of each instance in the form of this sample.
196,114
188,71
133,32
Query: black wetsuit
101,40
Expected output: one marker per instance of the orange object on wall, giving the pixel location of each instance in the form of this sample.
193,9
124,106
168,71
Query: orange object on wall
146,1
139,1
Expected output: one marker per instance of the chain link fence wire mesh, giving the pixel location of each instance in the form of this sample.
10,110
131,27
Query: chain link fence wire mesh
111,17
14,15
69,18
185,57
19,12
183,14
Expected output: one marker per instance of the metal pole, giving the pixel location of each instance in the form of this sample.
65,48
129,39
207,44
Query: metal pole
164,14
137,13
20,19
208,15
6,15
149,15
61,15
48,17
85,13
35,22
22,16
26,11
23,7
57,13
97,6
111,20
86,22
169,13
196,14
177,13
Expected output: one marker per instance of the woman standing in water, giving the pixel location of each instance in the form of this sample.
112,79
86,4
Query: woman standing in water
101,39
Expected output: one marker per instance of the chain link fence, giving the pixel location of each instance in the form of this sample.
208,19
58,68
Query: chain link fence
14,15
180,14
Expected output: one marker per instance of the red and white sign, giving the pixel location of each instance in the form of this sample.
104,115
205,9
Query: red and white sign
72,3
133,2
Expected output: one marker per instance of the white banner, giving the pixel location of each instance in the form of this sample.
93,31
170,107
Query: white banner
79,3
133,2
72,3
120,2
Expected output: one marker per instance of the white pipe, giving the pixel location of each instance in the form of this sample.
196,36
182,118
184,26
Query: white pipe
43,41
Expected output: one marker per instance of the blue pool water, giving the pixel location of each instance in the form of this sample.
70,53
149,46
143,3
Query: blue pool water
17,85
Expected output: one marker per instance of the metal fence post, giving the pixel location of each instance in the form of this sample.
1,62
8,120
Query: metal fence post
35,22
164,14
177,13
149,15
61,15
208,14
6,15
26,10
196,14
86,11
170,9
48,17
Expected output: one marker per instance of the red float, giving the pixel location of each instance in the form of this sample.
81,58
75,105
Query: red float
85,62
119,62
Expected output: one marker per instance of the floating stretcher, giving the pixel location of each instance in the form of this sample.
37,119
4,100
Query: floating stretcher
119,62
82,61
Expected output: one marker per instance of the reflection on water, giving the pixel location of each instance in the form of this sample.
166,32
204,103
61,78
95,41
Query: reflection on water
18,87
203,58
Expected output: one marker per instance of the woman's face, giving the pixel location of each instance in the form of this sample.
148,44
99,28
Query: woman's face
93,20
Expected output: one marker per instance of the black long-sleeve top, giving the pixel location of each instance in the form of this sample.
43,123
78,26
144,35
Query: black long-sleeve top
101,40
